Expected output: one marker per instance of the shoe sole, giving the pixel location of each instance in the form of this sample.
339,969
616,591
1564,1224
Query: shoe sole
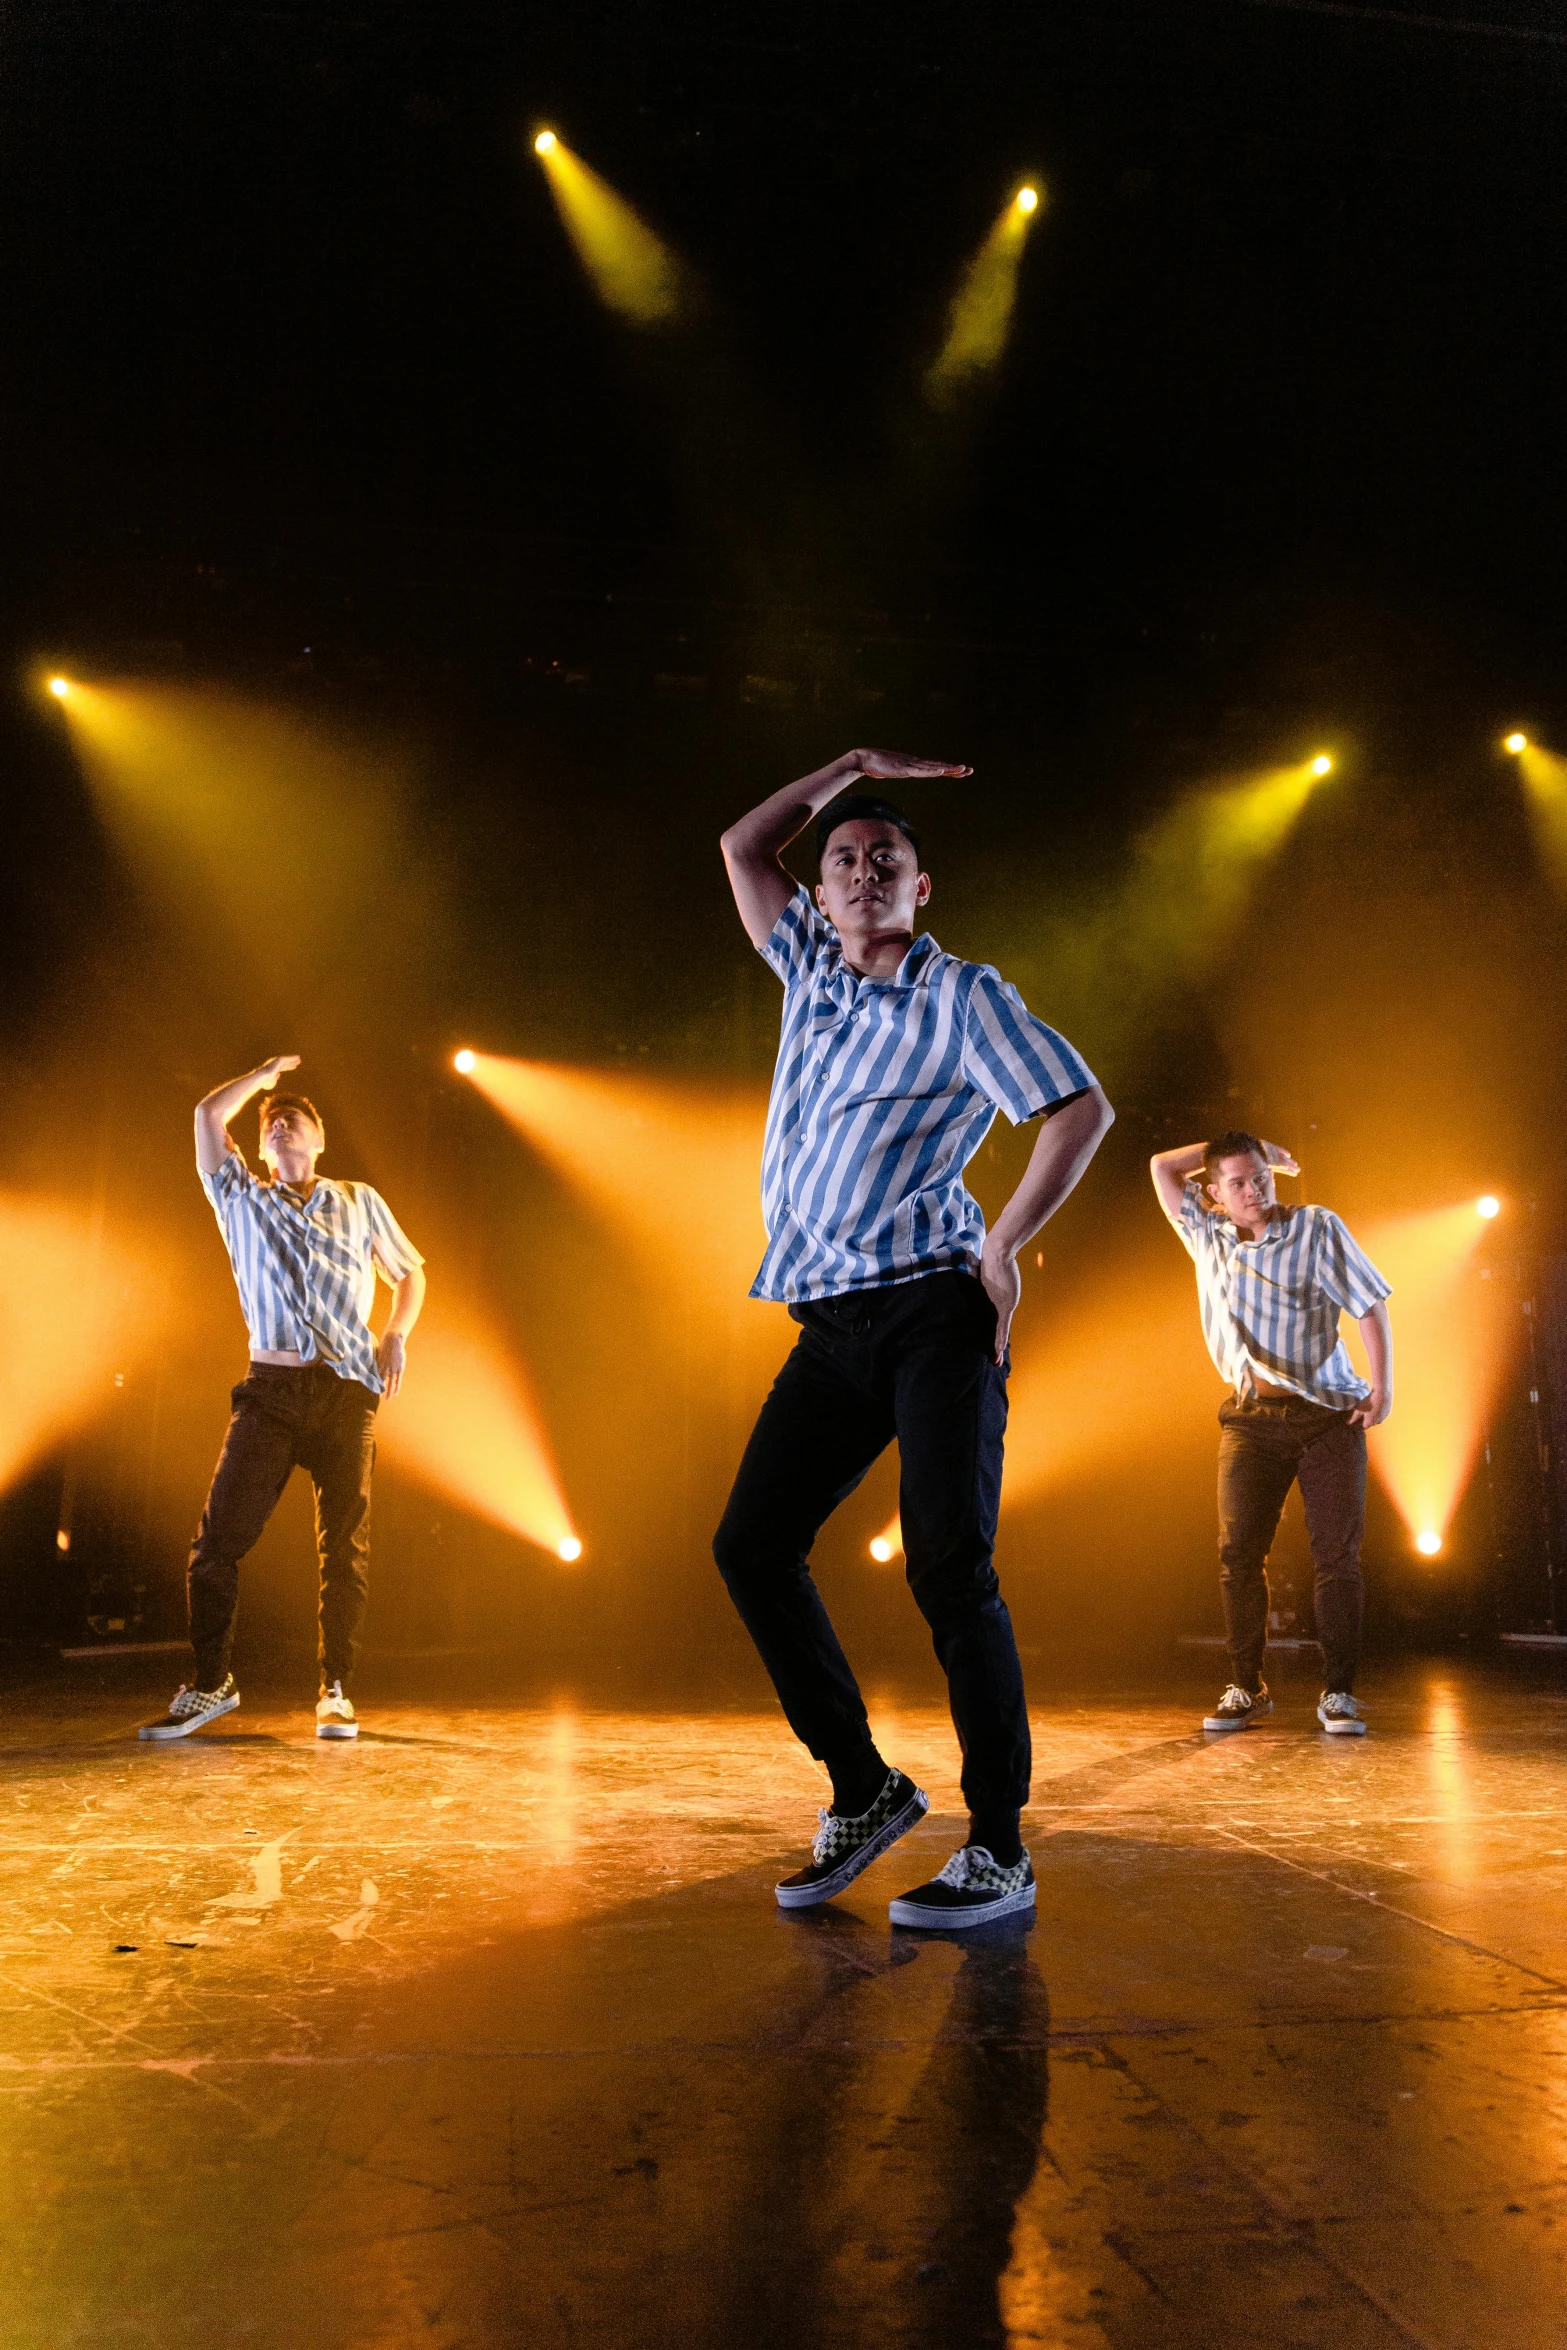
811,1896
160,1733
1220,1728
337,1729
949,1921
1343,1729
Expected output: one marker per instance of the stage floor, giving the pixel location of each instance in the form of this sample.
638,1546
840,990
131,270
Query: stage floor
486,2029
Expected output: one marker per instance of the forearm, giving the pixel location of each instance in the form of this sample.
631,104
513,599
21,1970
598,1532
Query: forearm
776,821
215,1110
1173,1170
1377,1336
1059,1160
407,1303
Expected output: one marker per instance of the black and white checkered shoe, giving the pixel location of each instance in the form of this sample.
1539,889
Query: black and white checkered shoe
972,1890
842,1848
192,1709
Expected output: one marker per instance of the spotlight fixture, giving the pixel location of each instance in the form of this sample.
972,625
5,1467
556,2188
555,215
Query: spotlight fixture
546,143
1027,199
1488,1207
1516,743
465,1062
1322,764
1428,1544
59,687
570,1550
881,1549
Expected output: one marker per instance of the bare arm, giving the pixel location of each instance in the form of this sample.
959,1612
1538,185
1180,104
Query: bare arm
213,1114
392,1353
1173,1170
1069,1140
753,847
1377,1332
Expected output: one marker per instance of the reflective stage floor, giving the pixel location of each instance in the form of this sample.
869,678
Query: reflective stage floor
486,2029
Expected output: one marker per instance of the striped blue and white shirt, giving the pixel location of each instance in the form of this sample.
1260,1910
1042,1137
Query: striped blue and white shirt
883,1092
305,1268
1270,1307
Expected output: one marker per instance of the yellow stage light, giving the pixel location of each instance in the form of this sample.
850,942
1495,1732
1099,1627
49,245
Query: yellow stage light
62,1540
464,1062
1428,1544
634,271
882,1549
59,687
76,1308
1488,1207
1322,764
570,1550
1544,775
981,315
1453,1335
469,1426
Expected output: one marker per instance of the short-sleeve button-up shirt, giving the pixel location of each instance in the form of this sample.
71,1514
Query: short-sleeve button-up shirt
305,1266
1270,1307
883,1091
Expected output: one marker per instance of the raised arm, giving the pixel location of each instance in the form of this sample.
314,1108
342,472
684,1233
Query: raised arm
1070,1137
753,847
213,1114
1173,1170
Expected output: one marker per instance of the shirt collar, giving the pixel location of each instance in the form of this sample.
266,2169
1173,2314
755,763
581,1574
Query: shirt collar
912,968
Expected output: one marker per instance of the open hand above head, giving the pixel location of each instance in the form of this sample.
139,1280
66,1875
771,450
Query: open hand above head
900,767
270,1071
1282,1162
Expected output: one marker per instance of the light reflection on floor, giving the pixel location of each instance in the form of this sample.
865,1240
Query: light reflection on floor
486,2029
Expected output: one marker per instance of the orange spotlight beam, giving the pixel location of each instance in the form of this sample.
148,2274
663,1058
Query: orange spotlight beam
1451,1338
74,1309
469,1426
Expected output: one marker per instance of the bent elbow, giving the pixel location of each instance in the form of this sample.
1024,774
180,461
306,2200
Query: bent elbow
1104,1111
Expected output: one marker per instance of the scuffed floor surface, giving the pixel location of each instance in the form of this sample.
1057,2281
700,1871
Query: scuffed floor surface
486,2030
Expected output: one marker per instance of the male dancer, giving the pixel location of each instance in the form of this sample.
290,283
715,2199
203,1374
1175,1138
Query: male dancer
1272,1282
893,1062
305,1251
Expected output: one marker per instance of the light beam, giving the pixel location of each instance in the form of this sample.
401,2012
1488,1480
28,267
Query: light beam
635,273
76,1306
980,318
1451,1339
466,1422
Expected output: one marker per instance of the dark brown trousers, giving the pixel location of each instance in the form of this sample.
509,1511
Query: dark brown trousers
287,1417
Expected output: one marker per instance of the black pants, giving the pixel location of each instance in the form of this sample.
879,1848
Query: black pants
287,1417
913,1362
1265,1448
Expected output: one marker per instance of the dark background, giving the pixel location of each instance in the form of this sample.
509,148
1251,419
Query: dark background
308,405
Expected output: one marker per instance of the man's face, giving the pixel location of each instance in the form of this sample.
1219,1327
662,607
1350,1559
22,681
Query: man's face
871,877
1242,1187
291,1143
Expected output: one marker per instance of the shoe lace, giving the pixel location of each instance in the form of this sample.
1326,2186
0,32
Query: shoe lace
823,1840
1237,1698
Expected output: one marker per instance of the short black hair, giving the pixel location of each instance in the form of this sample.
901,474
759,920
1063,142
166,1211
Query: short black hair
1237,1144
289,1101
849,806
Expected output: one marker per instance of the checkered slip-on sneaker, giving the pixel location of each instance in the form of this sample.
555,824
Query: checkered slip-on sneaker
192,1709
842,1848
972,1890
1237,1709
